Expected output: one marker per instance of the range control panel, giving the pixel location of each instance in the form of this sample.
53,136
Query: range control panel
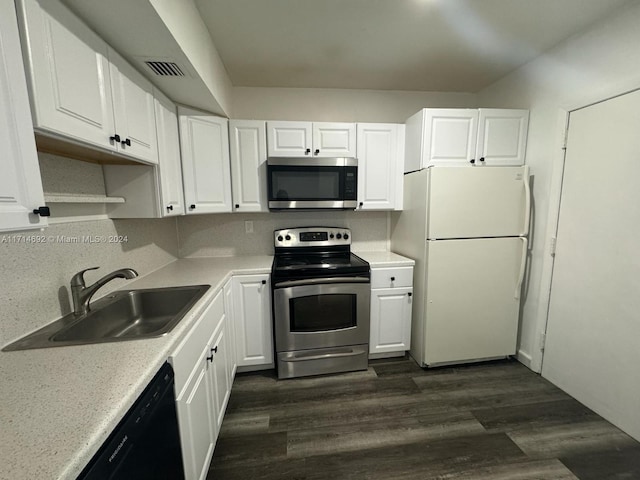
312,237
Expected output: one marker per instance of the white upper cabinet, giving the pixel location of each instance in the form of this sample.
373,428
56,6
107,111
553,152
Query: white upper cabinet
380,162
170,167
133,105
248,149
80,89
204,142
20,185
319,139
502,136
68,68
465,137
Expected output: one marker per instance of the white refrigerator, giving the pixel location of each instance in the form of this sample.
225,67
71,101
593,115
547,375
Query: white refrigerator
466,228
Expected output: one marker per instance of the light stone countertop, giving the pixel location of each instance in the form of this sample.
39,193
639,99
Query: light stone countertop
385,259
58,405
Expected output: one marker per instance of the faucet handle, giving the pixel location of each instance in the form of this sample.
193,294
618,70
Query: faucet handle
78,279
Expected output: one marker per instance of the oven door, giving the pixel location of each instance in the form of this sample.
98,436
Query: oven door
320,313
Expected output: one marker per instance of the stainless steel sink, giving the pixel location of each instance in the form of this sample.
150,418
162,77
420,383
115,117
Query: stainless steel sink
122,315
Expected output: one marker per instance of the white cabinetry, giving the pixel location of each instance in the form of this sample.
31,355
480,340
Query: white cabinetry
203,386
319,139
231,329
465,137
204,141
20,185
391,302
380,166
80,89
252,310
248,149
151,191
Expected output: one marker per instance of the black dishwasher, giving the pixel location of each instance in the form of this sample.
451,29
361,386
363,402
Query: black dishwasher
146,443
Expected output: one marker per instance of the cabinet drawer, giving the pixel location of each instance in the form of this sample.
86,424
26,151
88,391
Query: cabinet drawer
185,357
391,277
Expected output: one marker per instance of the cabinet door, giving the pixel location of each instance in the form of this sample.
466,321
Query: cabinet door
219,371
204,141
390,320
169,164
252,308
502,136
195,408
449,136
133,106
248,148
231,329
289,139
20,184
69,74
334,139
380,166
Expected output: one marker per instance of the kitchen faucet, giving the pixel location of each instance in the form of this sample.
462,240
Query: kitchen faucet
82,295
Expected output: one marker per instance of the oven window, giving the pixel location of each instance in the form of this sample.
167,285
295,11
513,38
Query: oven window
318,313
306,183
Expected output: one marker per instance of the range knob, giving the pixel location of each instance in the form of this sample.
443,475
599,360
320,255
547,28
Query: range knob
280,238
288,237
346,236
339,236
331,236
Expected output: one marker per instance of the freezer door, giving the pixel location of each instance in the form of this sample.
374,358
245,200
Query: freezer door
472,298
471,202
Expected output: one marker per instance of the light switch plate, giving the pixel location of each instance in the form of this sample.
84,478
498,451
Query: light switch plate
248,226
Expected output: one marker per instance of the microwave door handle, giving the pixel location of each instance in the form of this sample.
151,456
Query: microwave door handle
318,281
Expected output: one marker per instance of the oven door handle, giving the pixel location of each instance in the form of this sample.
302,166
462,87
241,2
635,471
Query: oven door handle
352,352
319,281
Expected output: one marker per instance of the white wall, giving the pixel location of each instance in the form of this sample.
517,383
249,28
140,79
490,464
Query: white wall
339,105
599,63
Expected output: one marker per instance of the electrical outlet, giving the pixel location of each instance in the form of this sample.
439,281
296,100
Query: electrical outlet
248,226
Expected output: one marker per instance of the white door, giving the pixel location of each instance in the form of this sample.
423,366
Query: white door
478,202
593,325
170,167
473,298
69,74
332,139
289,139
252,309
204,140
20,184
390,320
449,136
380,165
133,106
502,136
248,148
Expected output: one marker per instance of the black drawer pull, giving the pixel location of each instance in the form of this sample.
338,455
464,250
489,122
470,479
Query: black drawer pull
393,279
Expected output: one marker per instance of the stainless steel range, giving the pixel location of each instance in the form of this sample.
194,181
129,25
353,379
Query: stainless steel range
321,294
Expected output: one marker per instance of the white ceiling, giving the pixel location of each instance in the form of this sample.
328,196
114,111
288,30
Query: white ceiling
422,45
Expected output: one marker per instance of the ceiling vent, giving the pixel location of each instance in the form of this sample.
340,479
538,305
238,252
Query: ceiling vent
165,69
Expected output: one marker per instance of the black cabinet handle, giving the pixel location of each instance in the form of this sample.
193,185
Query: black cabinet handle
317,151
192,206
393,279
264,282
237,205
409,293
169,207
361,204
482,159
115,138
214,349
307,151
473,160
126,142
42,211
210,359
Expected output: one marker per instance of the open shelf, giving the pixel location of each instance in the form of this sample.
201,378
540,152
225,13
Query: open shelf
53,198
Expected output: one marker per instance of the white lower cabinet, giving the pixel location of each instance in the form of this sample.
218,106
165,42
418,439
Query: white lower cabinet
252,309
203,386
391,302
231,330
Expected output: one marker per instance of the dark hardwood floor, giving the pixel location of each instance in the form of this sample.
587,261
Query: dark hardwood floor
396,421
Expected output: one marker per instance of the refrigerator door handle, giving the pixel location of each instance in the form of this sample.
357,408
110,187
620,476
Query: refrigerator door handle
527,205
523,264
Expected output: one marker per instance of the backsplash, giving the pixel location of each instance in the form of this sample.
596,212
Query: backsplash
225,235
35,276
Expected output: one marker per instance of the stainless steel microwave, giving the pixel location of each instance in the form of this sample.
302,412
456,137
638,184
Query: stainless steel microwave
312,183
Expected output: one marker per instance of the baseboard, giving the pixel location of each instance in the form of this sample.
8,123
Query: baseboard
525,359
